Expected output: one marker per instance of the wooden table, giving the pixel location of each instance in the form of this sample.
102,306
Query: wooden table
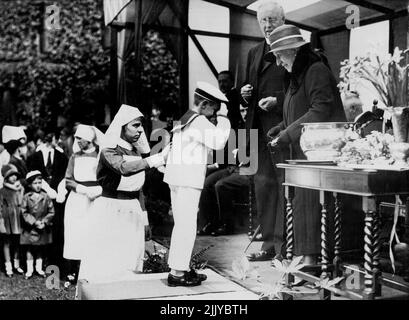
368,184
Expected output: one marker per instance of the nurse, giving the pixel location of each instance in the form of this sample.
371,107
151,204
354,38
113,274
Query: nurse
81,180
116,224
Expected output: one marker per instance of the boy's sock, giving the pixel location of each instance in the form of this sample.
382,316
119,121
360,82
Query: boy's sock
9,268
177,273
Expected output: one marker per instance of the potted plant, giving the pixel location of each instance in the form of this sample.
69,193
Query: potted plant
389,76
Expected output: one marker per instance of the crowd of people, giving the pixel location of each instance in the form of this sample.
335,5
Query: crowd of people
105,222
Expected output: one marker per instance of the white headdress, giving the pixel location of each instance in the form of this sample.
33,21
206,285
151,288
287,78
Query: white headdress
88,133
125,115
12,133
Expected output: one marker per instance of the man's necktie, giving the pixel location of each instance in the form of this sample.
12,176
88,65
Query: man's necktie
49,164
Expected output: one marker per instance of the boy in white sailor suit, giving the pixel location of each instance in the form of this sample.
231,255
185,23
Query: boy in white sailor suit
185,171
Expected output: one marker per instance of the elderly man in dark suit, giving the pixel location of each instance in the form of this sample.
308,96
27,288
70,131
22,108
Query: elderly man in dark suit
264,93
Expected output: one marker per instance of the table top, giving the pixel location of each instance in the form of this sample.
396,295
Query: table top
366,182
334,167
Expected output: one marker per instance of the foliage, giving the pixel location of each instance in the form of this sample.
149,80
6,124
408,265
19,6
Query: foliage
386,74
17,288
156,262
197,261
241,269
286,267
327,283
278,289
72,72
70,77
160,77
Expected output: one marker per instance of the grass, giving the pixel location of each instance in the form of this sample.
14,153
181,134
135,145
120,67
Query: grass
17,288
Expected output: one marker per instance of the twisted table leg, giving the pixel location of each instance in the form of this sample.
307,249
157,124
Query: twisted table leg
289,194
369,209
376,253
324,294
337,236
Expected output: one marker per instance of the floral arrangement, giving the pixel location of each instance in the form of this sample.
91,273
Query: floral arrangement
373,149
388,75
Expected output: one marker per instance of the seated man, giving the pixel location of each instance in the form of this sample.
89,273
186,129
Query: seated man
223,184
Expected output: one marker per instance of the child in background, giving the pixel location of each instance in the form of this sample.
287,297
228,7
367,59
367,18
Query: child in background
38,213
11,198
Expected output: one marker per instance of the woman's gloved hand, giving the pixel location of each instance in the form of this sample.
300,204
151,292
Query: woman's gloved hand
273,132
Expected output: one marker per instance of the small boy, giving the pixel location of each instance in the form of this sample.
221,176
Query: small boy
38,213
185,173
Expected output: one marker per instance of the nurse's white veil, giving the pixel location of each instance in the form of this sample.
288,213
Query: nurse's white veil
125,115
88,133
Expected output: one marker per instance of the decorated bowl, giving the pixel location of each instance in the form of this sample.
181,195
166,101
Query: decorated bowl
324,140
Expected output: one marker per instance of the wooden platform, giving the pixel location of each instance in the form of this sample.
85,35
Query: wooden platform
154,287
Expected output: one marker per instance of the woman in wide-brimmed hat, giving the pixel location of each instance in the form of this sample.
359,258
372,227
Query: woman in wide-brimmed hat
312,96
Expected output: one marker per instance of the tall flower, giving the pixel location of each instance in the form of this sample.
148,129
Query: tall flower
388,75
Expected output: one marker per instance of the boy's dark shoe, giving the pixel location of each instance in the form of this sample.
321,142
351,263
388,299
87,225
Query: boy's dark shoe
201,276
187,280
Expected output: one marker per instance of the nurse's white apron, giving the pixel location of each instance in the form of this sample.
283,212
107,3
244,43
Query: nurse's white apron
76,209
116,237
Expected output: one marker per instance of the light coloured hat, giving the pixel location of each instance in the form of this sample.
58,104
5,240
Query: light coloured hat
282,38
210,92
89,133
85,132
12,133
125,114
32,175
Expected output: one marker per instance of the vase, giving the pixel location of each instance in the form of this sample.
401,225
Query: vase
400,123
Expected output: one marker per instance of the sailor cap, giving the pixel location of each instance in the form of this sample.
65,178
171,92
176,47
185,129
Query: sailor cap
210,92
